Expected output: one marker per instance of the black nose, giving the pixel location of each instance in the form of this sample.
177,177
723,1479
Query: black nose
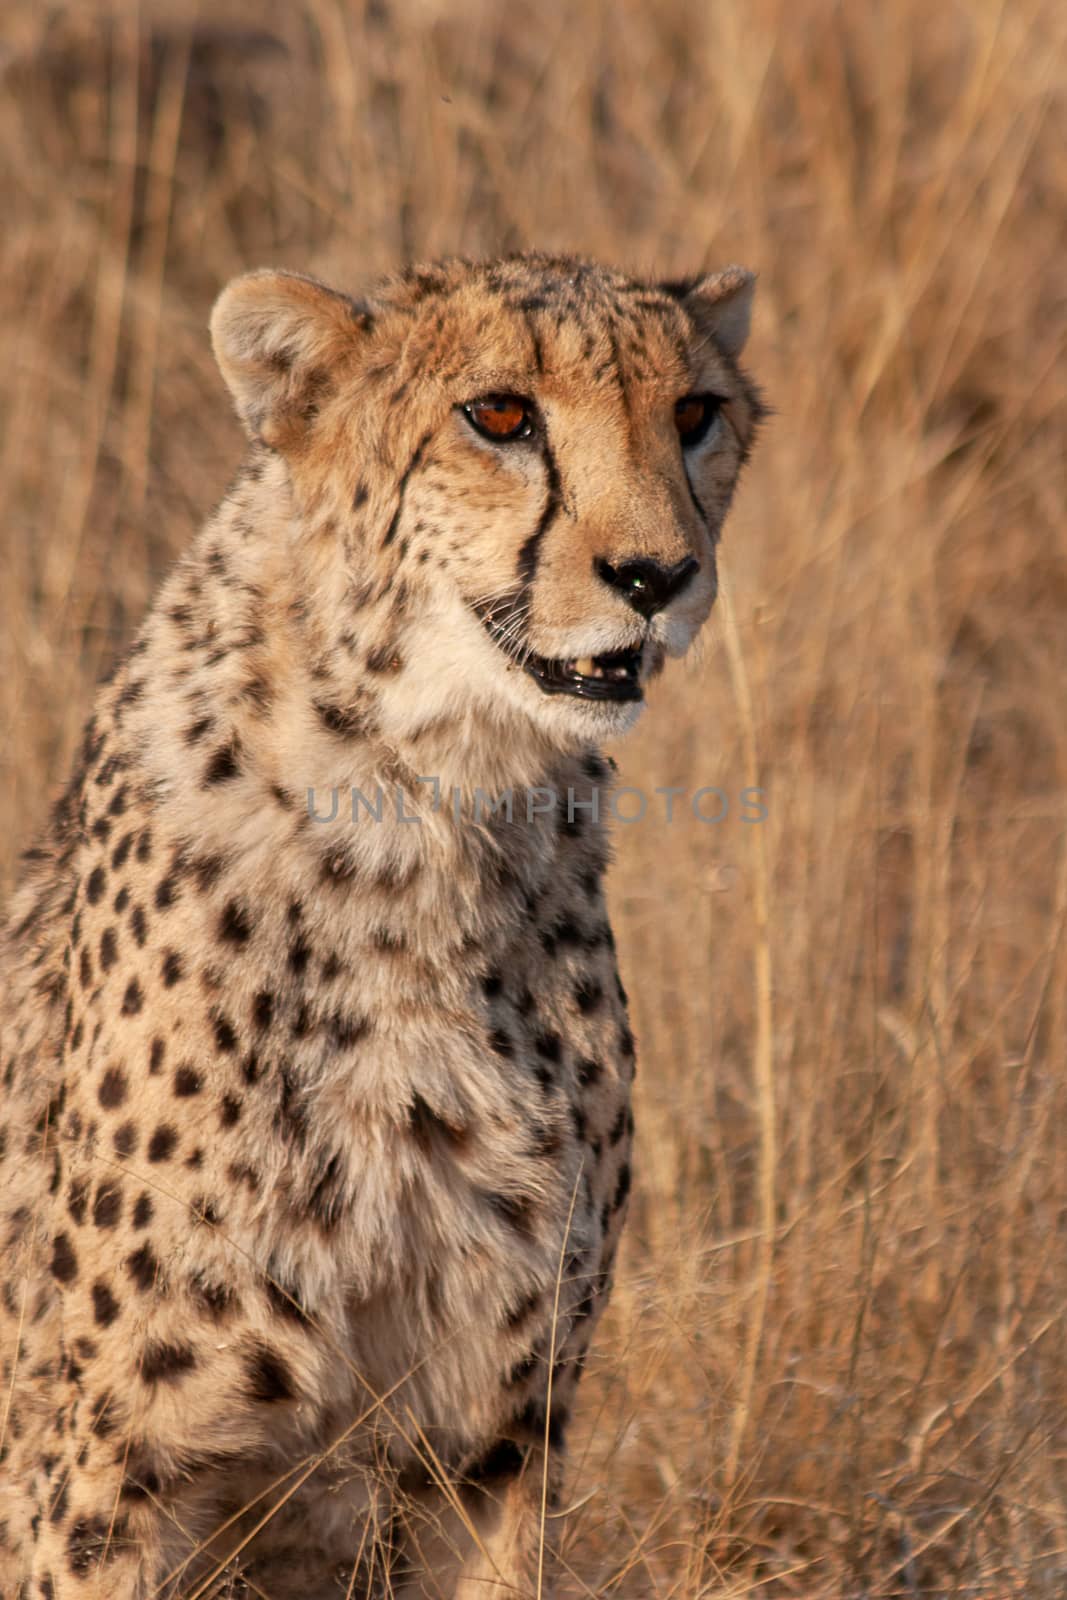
647,585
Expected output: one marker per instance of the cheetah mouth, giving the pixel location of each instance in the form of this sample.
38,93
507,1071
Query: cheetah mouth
615,675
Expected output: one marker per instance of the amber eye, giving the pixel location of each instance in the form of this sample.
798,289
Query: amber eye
501,416
693,417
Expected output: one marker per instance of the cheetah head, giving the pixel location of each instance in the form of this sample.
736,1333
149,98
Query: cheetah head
516,470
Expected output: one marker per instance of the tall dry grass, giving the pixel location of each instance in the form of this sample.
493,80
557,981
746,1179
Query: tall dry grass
836,1361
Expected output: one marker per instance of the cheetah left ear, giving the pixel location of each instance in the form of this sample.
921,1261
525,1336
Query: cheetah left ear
279,339
720,304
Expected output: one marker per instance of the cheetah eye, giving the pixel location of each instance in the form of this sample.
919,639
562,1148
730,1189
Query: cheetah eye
501,417
694,415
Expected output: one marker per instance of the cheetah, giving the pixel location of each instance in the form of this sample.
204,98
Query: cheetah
316,1063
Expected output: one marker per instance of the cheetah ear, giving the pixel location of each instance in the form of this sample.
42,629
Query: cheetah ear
279,339
720,304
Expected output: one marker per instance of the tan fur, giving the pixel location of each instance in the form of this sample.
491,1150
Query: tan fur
305,1118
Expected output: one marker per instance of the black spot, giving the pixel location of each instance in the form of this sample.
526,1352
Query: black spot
112,1090
108,949
122,899
299,954
166,892
567,932
172,968
144,845
588,994
225,1037
196,730
105,1306
426,1125
217,1299
94,888
269,1379
77,1198
284,1296
325,1199
187,1081
504,1460
384,658
492,983
502,1043
626,1043
207,871
155,1056
223,764
514,1209
291,1117
144,1484
64,1261
263,1009
548,1046
139,926
229,1111
107,1207
143,1266
235,924
531,1421
142,1211
101,1420
240,1173
622,1187
90,1541
133,999
162,1143
589,1072
165,1363
345,721
522,1370
524,1310
346,1031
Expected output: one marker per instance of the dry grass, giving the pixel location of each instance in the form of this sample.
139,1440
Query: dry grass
836,1362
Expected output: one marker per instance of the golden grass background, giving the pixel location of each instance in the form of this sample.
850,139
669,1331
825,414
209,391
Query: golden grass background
835,1364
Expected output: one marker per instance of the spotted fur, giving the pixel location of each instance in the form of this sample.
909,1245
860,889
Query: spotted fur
316,1134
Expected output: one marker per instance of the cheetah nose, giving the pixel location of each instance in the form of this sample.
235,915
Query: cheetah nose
648,586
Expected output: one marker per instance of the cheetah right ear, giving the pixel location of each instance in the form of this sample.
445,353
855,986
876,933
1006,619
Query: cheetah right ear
279,339
720,304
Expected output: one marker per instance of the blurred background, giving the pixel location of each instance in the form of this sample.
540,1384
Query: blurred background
836,1363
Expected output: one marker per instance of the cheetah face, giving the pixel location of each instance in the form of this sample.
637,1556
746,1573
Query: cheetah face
538,454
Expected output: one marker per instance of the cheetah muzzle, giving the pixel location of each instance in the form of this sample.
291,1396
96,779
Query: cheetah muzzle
317,1122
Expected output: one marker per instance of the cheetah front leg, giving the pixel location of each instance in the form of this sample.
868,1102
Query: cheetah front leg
486,1539
88,1545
